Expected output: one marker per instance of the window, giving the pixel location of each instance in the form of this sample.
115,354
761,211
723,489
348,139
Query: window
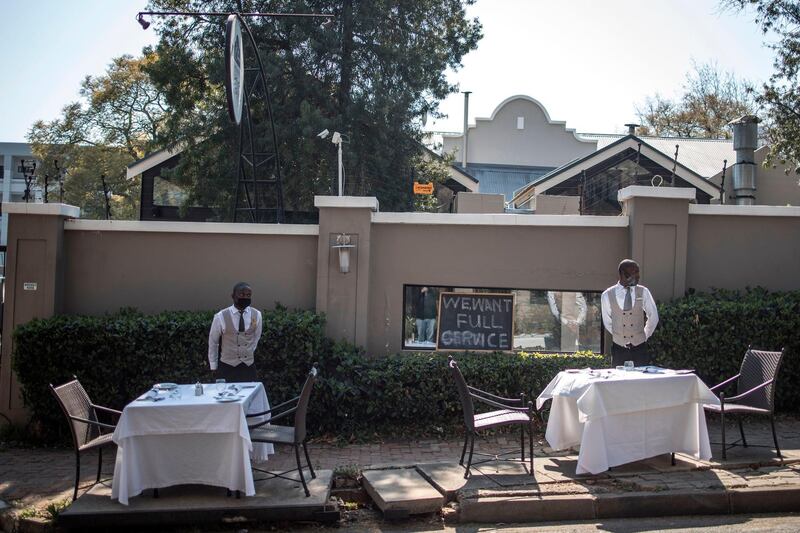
544,320
166,193
520,123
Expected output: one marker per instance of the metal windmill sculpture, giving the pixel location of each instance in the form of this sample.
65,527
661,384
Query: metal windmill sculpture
259,185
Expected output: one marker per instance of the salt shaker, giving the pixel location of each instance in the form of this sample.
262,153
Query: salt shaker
198,389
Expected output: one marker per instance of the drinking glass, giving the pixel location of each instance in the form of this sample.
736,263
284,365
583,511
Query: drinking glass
628,365
220,384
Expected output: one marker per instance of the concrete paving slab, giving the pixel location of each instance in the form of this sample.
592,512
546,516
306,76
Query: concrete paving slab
448,478
275,499
402,491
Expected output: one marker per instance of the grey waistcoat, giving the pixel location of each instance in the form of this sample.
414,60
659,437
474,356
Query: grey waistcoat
627,327
234,345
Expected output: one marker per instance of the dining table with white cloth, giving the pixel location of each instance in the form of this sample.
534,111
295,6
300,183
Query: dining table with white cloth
181,439
619,416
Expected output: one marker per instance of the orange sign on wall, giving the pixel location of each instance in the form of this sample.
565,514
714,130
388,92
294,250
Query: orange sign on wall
423,188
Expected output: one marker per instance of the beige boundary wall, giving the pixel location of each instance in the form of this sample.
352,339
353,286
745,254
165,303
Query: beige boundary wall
94,267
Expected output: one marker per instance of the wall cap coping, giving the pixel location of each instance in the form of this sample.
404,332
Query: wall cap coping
497,219
746,210
645,191
353,202
22,208
191,227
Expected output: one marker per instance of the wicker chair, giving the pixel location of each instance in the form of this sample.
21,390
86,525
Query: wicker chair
512,411
292,435
88,433
755,393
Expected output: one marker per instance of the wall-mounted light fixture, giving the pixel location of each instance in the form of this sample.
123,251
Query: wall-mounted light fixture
344,247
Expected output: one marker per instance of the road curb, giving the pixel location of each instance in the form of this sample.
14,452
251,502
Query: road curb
515,508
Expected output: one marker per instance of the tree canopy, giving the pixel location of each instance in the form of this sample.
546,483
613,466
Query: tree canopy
711,99
370,76
780,97
116,121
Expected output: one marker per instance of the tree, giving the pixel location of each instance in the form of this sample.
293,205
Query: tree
371,77
116,121
430,168
711,99
780,97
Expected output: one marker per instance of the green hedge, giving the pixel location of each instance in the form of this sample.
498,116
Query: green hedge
119,356
710,332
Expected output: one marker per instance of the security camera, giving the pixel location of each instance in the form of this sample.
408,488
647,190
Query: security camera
323,134
337,137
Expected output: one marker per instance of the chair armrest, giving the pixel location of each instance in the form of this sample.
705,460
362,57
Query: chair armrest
250,415
498,404
106,409
92,422
727,381
494,396
742,395
273,419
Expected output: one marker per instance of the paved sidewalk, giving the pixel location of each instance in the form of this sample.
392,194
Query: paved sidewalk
34,477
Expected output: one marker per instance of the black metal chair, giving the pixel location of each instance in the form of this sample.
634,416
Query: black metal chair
291,435
511,412
88,433
755,394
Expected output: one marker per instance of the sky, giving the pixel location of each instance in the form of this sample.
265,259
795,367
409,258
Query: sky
589,62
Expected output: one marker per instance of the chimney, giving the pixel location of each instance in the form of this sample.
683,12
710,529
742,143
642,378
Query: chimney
631,128
745,142
466,130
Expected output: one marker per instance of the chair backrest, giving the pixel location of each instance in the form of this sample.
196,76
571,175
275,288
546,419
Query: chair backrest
759,366
463,393
302,405
75,402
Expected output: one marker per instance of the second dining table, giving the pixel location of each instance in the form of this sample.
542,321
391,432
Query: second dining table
618,416
171,436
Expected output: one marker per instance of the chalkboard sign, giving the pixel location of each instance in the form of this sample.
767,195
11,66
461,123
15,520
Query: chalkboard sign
475,321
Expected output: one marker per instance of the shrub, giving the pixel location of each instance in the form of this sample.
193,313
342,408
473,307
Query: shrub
119,356
710,332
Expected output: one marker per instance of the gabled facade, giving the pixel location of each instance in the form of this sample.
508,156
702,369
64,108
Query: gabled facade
596,178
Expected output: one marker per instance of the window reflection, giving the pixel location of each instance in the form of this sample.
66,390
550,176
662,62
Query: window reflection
544,320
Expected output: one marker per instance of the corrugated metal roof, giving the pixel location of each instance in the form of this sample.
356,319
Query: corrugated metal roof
504,180
703,156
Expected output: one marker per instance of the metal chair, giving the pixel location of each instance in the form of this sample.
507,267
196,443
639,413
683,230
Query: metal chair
292,435
511,412
88,433
755,394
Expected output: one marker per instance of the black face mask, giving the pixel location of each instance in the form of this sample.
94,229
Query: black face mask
243,303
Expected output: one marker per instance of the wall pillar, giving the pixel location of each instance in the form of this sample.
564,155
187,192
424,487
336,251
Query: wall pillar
658,234
34,283
344,297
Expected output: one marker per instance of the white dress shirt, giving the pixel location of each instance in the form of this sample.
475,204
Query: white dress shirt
648,304
218,328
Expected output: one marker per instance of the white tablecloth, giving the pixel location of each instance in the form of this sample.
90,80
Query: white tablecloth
188,440
618,417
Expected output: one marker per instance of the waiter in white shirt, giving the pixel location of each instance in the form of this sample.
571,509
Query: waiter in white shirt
235,332
625,307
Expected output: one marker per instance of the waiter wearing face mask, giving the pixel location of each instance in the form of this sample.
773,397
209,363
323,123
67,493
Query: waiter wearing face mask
630,315
235,332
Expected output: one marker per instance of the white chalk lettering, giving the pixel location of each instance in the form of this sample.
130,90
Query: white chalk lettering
461,320
450,302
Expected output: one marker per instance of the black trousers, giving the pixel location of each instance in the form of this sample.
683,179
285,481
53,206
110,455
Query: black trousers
240,373
640,355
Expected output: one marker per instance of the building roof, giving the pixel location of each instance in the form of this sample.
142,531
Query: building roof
568,170
703,156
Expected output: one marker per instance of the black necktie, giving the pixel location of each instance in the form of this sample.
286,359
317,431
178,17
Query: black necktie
241,321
